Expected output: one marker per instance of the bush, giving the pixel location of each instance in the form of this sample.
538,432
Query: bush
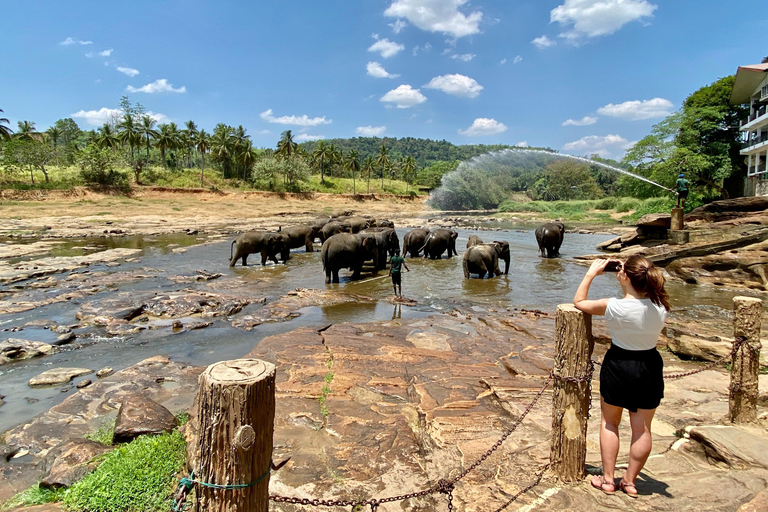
138,476
608,203
626,204
97,168
518,207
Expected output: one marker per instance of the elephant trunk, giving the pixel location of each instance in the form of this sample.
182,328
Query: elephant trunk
465,266
506,266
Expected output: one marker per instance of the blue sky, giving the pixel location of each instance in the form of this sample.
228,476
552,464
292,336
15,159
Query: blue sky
579,76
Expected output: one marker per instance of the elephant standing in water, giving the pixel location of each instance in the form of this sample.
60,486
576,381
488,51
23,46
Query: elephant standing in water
347,250
473,240
550,237
302,236
388,243
268,243
413,241
334,228
484,258
438,241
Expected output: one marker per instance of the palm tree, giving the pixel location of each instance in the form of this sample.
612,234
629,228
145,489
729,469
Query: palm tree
5,132
26,130
106,137
286,147
323,152
54,134
352,163
408,166
221,145
168,138
368,167
247,156
382,162
240,143
129,133
147,130
201,142
190,131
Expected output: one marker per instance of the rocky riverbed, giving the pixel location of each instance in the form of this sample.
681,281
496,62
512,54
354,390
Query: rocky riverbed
411,400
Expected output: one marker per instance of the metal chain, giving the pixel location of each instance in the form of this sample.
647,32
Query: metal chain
522,491
443,486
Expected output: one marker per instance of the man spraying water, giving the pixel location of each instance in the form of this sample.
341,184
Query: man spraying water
681,189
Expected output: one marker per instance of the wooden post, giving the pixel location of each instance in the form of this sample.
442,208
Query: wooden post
742,403
570,400
236,402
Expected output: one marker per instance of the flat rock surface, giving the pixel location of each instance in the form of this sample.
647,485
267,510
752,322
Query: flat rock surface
57,376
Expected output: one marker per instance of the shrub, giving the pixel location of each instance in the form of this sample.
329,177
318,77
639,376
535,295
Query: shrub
97,168
136,476
608,203
518,207
626,204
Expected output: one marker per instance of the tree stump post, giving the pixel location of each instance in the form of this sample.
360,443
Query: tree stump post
236,403
742,403
572,392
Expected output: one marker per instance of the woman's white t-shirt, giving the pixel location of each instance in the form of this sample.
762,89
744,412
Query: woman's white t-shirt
635,324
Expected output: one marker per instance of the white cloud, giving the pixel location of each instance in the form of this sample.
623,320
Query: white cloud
105,115
386,47
457,85
484,126
466,57
161,85
69,41
398,26
637,110
593,18
97,117
294,120
543,42
128,71
404,96
584,121
607,146
426,49
437,16
305,136
370,131
517,59
106,53
522,144
503,61
377,70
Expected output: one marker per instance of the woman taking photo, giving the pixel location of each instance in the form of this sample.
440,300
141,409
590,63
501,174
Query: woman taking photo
631,373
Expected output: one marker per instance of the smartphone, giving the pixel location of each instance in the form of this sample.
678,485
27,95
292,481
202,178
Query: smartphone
613,266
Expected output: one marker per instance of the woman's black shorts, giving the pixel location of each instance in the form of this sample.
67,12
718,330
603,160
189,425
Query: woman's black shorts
632,379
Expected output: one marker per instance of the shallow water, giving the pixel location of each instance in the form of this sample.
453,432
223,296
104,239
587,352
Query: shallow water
436,285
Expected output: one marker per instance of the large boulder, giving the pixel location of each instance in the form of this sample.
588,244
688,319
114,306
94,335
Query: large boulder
728,209
71,461
139,415
733,446
57,376
16,349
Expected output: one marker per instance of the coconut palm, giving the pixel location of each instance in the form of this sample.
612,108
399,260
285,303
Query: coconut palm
168,138
201,142
190,131
106,137
323,153
129,133
54,134
5,132
382,162
368,167
286,147
408,166
147,130
27,131
221,145
352,164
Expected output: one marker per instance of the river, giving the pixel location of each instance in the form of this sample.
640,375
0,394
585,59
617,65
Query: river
435,285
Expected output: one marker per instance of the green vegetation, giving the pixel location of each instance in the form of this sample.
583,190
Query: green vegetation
328,378
138,476
103,434
598,210
35,495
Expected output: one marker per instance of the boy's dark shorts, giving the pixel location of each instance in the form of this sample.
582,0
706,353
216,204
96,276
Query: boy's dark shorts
683,194
395,277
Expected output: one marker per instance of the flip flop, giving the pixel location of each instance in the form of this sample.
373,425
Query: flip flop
629,489
598,482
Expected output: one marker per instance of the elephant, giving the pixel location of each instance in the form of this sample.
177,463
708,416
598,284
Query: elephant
356,224
347,250
473,240
302,236
318,224
268,243
413,241
387,241
383,223
550,237
484,258
438,241
334,227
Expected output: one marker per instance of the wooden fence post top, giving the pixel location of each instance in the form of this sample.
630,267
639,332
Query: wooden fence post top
567,307
239,371
746,300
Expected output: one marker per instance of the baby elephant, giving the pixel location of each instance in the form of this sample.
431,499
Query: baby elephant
267,243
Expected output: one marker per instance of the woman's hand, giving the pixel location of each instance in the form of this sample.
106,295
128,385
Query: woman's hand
597,268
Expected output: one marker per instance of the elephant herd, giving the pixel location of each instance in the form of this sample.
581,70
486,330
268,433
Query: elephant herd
349,242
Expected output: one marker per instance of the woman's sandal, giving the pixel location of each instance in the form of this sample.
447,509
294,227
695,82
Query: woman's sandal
629,489
598,482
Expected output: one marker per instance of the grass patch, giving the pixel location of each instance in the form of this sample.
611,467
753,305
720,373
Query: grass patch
35,495
626,204
521,207
103,434
138,476
328,378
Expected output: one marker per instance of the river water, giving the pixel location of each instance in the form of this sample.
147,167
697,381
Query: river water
435,285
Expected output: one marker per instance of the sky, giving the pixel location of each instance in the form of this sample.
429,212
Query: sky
578,76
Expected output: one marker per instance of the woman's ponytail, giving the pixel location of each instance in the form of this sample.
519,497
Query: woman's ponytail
647,279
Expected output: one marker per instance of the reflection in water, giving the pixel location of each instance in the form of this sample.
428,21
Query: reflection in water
398,311
487,287
551,270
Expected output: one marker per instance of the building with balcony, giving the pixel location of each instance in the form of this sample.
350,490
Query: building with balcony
751,86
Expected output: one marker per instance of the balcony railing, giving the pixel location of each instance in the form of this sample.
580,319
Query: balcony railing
759,112
755,141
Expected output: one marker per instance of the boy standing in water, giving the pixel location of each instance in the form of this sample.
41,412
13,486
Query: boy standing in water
681,189
395,263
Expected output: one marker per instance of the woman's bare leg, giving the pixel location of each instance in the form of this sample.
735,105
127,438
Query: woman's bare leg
610,417
640,447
